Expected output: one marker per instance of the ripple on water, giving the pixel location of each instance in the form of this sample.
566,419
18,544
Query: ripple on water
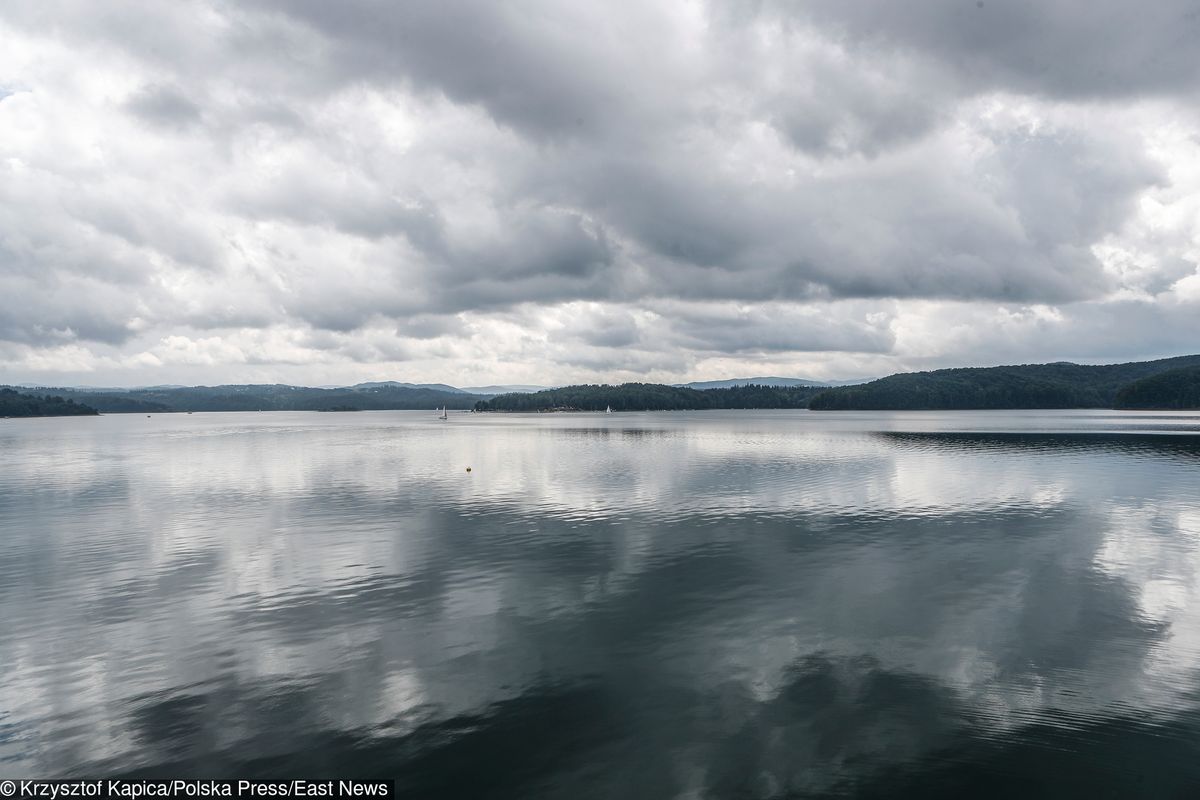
709,605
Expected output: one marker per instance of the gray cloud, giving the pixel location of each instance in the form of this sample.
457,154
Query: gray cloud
375,171
774,329
546,69
163,105
64,312
795,638
1064,48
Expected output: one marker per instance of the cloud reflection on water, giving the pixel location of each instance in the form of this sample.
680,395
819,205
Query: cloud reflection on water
664,605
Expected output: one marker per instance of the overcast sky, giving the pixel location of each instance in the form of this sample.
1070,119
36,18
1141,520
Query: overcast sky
201,191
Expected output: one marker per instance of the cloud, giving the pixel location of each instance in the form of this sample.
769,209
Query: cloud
1063,48
162,105
1070,600
718,183
776,327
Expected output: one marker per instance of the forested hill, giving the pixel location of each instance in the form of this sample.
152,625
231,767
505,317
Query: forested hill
1176,388
268,397
1166,383
18,404
650,397
1059,385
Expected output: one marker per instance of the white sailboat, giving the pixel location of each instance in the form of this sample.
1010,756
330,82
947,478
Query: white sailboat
608,409
443,416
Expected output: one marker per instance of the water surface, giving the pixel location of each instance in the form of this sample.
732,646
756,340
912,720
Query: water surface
692,605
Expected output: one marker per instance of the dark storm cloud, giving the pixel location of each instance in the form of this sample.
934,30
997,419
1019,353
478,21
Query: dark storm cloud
545,69
912,230
1063,48
522,244
839,118
343,166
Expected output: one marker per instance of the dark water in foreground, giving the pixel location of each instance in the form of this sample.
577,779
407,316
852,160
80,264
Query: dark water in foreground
727,604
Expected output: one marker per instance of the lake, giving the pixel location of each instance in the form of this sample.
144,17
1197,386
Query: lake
665,605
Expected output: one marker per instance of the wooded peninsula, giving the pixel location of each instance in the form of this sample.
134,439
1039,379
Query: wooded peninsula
16,404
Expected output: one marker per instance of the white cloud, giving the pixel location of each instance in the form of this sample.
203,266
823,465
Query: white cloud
471,193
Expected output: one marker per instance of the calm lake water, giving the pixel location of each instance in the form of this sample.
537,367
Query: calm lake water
691,605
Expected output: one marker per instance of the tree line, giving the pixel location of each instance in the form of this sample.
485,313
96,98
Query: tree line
19,404
1166,383
1059,385
650,397
1177,388
267,397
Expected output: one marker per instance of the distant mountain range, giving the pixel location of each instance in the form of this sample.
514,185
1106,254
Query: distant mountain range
518,387
651,397
437,387
397,395
1165,383
442,387
775,381
266,397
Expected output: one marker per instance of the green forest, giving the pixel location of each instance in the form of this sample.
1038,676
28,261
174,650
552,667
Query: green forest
18,404
1176,388
267,397
1166,383
1059,385
650,397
